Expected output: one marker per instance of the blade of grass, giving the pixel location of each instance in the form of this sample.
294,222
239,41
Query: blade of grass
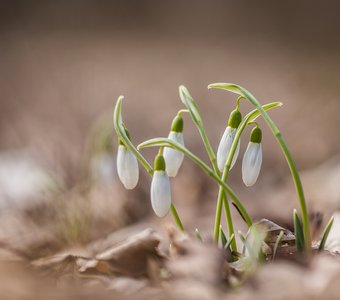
277,243
299,238
224,239
325,234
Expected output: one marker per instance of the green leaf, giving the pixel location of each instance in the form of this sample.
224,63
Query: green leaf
299,239
165,142
224,239
121,132
325,233
254,114
227,245
118,122
234,88
277,243
190,104
231,87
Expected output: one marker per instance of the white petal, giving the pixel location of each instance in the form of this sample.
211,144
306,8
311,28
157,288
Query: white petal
224,148
173,158
251,164
127,168
160,193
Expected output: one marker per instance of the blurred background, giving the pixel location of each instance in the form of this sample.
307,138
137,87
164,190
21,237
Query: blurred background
63,64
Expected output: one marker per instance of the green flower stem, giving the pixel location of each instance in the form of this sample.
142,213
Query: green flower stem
181,111
192,108
276,132
229,219
176,217
248,119
238,100
119,128
172,144
223,200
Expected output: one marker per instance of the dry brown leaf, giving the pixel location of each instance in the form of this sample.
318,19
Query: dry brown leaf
130,258
286,247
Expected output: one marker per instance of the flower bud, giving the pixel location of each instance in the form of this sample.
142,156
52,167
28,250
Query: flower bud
160,188
235,118
173,157
227,141
127,167
252,159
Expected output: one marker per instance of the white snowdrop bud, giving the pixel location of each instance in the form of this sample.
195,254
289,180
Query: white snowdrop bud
127,167
160,188
252,159
174,158
227,140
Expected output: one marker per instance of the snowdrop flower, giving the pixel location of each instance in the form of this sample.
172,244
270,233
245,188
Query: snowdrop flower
160,188
174,158
252,160
127,166
227,140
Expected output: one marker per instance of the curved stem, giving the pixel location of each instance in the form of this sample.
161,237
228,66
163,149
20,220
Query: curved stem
249,118
238,100
189,102
176,217
276,132
179,113
156,142
192,108
118,125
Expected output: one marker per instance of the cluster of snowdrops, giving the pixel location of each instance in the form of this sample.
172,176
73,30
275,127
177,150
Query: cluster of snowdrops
172,151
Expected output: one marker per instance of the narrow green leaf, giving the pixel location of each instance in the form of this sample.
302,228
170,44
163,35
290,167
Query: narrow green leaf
120,130
190,104
227,245
234,88
164,142
277,243
278,135
325,233
254,114
299,239
223,237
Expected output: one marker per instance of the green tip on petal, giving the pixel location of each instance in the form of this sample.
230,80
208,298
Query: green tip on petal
256,135
159,164
235,119
177,124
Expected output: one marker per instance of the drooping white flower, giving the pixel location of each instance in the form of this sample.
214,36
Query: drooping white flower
225,146
252,159
127,167
227,140
174,158
160,188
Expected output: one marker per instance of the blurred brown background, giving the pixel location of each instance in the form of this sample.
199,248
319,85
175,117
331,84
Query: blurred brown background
64,63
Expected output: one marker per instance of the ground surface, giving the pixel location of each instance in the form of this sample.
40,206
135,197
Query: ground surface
63,65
